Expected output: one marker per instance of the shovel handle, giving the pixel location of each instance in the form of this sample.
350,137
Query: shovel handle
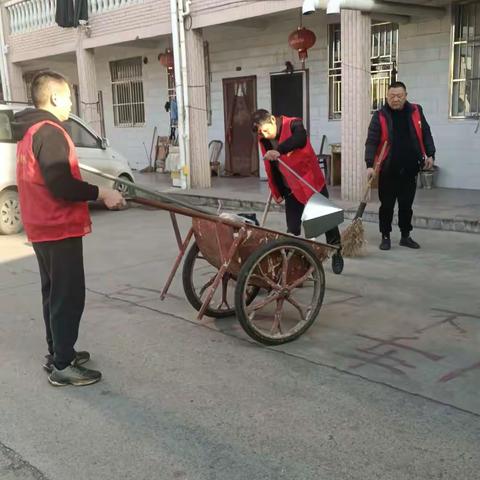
293,172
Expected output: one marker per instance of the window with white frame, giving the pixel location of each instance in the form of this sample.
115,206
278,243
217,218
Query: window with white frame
384,57
127,92
465,80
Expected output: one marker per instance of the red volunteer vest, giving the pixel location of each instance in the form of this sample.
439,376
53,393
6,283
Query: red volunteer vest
417,124
46,218
303,161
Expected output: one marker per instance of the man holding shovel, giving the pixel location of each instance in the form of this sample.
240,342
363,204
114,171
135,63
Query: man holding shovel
400,126
285,138
53,201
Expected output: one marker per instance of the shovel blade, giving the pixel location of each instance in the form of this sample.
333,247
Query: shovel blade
320,215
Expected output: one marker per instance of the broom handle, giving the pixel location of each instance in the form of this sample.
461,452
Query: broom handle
267,208
363,203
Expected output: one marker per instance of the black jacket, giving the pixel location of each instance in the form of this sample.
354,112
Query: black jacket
374,138
51,150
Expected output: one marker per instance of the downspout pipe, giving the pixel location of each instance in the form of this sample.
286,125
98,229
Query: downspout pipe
179,84
373,6
5,76
183,11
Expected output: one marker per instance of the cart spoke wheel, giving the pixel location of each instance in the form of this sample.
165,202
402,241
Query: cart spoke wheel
303,310
277,319
251,309
293,284
198,276
204,289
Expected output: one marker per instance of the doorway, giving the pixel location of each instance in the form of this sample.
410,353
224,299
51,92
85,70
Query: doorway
289,94
241,148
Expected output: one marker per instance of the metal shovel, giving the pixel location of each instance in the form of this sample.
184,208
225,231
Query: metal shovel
320,214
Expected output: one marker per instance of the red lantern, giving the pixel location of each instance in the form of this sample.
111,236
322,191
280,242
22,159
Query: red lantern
301,40
166,59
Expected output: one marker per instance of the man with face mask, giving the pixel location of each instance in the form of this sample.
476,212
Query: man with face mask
286,138
402,126
55,216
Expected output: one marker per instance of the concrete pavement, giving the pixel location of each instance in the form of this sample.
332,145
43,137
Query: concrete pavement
383,386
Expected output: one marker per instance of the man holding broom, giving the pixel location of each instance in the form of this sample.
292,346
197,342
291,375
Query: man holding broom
285,138
400,134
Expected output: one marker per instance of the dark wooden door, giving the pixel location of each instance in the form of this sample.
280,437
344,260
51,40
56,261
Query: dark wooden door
241,149
289,93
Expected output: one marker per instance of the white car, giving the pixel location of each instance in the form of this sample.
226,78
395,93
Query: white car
92,150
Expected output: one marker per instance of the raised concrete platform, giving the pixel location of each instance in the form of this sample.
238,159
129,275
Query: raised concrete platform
437,209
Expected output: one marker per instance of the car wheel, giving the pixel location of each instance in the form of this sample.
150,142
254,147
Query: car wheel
10,220
125,190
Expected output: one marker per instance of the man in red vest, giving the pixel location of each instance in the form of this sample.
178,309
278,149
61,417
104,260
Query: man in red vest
53,204
403,128
286,138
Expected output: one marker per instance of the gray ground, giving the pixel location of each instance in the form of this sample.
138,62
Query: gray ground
383,386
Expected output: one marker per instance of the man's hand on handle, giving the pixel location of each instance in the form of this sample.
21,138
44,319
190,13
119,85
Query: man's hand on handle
370,173
272,155
112,199
428,164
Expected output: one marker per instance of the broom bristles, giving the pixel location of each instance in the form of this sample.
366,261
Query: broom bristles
353,239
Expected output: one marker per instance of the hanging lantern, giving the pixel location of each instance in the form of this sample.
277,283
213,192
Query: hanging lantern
166,59
301,40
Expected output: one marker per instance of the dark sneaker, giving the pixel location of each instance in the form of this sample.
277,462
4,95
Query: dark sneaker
386,244
80,359
409,242
78,376
337,263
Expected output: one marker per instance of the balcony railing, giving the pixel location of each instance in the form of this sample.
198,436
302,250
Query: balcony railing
29,15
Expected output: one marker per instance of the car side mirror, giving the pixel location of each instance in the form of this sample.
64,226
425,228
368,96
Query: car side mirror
104,143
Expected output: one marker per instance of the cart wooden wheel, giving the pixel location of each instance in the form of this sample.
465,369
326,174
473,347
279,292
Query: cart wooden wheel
198,275
293,282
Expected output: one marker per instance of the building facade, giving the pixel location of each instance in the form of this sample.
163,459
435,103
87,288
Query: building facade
243,61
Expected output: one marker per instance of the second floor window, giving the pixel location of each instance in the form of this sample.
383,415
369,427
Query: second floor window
465,80
384,55
127,92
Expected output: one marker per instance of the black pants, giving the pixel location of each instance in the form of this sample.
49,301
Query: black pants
63,295
391,189
293,212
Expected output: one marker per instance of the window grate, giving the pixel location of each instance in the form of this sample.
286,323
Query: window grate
127,92
384,58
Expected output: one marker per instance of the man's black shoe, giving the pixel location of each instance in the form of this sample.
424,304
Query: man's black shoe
337,263
386,243
80,359
409,242
78,376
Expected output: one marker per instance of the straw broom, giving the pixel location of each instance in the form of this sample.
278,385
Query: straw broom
353,237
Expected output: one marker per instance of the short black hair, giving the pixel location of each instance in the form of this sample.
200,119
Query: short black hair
39,89
397,85
259,117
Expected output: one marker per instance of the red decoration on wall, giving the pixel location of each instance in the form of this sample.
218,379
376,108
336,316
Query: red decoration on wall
301,40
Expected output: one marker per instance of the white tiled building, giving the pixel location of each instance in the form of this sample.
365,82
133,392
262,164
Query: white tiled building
436,55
